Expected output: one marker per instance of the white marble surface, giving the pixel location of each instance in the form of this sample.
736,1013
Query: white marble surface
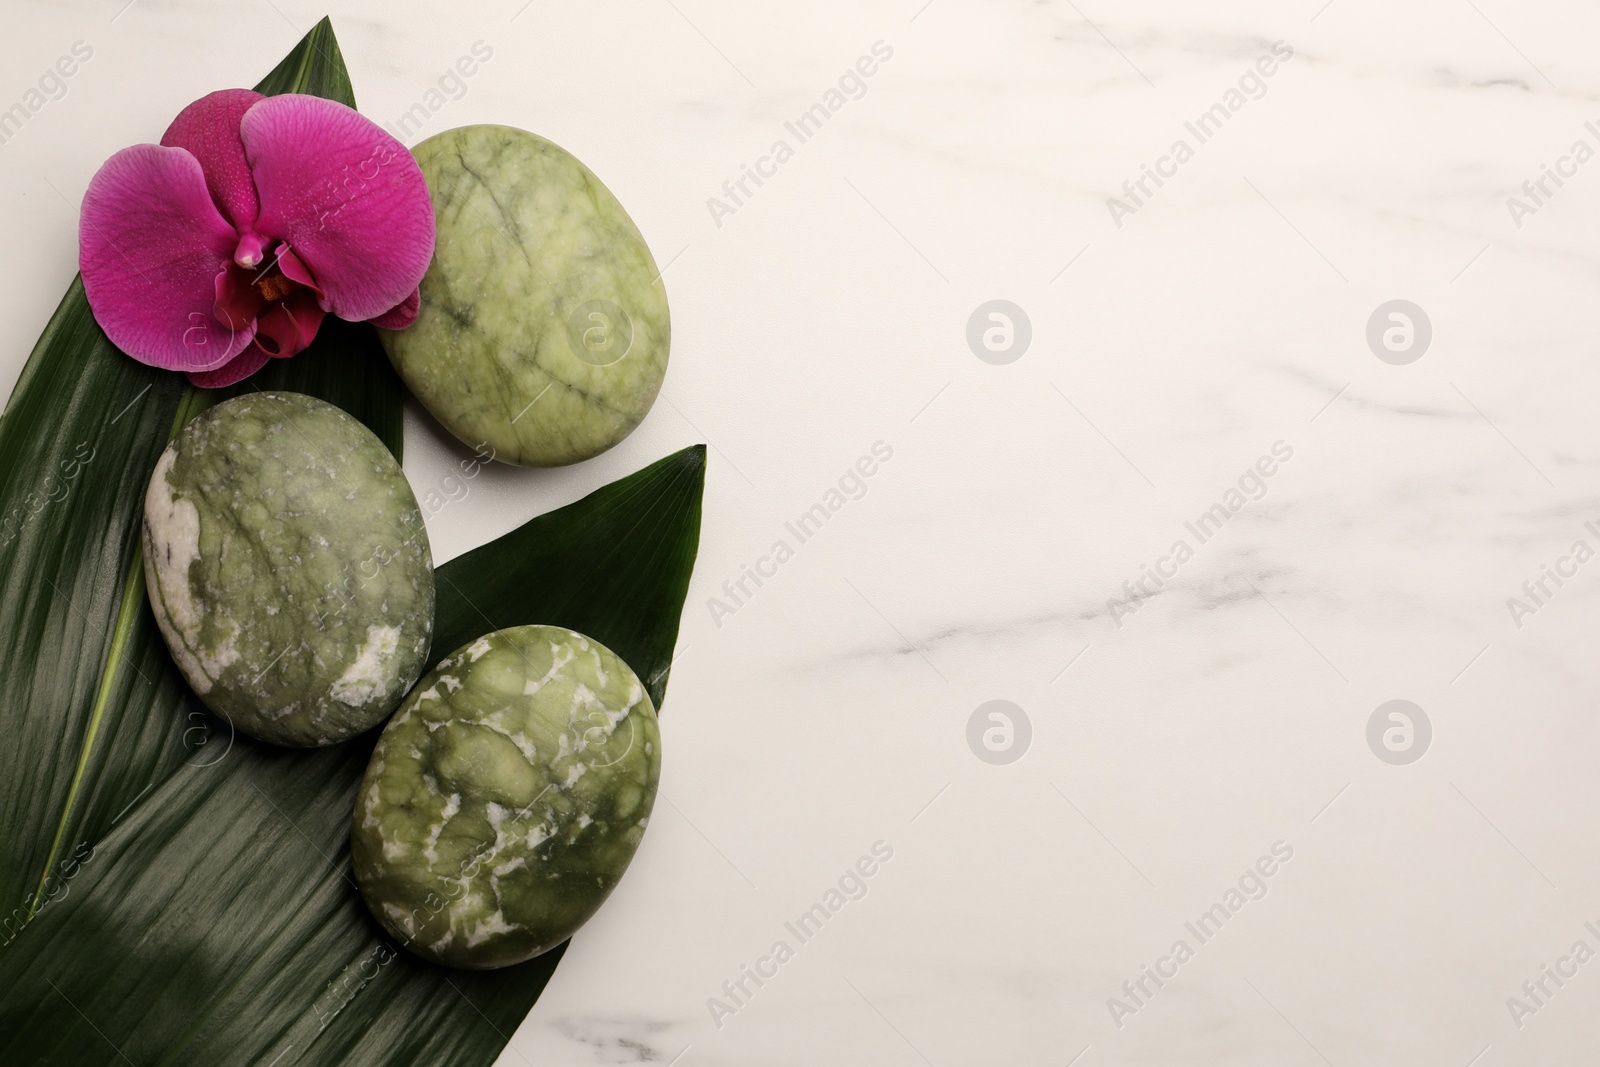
1228,313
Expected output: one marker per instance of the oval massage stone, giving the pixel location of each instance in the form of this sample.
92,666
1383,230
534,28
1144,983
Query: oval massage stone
506,797
543,333
288,568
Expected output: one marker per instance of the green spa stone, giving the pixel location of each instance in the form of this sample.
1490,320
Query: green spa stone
288,568
506,797
543,333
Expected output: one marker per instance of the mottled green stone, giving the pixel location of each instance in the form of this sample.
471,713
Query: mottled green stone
506,797
288,568
543,332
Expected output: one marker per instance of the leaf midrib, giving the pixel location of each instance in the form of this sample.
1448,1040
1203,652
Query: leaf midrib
191,403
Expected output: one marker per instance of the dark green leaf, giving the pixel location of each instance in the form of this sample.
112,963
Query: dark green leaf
346,366
316,66
90,710
92,713
189,892
219,923
614,566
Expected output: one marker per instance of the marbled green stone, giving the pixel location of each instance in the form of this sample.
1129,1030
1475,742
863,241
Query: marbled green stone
506,797
543,332
288,568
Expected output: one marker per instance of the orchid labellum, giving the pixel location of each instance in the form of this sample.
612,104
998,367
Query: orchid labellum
224,246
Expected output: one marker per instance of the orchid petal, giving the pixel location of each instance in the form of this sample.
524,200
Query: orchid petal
288,327
238,369
294,269
346,196
402,314
208,129
151,244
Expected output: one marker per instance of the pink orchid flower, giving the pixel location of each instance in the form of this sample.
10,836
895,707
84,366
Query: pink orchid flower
223,246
